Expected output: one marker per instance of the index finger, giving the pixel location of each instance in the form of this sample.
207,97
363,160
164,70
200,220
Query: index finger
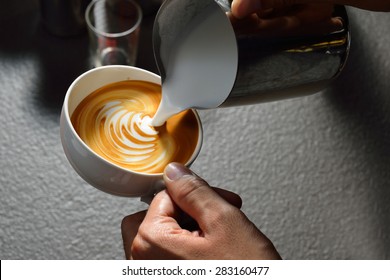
163,208
195,197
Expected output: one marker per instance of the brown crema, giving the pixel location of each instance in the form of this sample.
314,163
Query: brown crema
114,121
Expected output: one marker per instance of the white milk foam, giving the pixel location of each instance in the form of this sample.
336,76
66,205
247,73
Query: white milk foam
132,145
202,66
115,122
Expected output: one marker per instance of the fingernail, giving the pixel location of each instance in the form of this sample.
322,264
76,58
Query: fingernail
175,171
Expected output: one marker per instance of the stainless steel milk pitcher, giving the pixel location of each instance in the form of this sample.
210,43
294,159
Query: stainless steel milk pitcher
271,66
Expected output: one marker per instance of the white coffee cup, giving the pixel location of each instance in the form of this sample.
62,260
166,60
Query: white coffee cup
93,168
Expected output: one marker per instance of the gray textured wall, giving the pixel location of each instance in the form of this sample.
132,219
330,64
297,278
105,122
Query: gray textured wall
313,172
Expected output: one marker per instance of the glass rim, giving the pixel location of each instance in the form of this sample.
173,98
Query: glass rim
113,35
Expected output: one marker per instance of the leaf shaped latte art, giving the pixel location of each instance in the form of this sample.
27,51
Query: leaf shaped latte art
114,121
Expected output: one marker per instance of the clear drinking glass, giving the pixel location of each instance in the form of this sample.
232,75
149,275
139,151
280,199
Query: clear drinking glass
113,27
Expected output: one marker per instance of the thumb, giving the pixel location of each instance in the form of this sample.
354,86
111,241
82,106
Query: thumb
243,8
194,196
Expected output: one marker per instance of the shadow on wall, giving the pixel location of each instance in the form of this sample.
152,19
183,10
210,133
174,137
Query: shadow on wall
362,95
60,59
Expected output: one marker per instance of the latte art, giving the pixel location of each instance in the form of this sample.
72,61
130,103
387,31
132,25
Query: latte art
115,122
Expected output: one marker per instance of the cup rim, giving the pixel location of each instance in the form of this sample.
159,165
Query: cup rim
113,35
194,154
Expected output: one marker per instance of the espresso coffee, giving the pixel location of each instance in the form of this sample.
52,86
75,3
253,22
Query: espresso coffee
115,122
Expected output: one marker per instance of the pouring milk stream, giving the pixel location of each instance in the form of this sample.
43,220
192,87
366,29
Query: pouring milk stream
203,64
201,67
